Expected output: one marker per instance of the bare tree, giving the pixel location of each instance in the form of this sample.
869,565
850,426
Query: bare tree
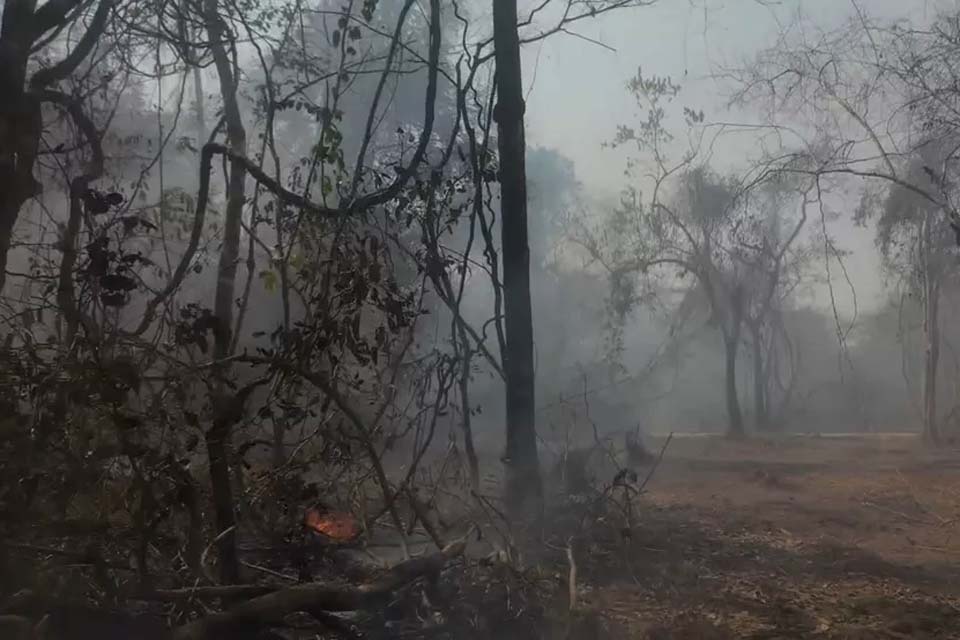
866,100
776,266
918,257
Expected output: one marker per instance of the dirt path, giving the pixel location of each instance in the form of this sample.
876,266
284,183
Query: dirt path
788,538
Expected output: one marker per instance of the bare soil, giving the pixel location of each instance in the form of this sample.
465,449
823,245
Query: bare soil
790,537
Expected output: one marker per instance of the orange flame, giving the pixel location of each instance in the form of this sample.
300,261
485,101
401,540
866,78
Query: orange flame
339,526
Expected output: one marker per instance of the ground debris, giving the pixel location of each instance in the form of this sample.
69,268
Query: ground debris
719,551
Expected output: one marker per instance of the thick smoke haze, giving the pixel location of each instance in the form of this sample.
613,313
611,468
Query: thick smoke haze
479,319
693,42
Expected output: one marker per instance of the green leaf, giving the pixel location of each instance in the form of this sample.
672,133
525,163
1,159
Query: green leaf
269,280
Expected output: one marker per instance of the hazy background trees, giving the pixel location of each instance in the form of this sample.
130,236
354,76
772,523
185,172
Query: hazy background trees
295,249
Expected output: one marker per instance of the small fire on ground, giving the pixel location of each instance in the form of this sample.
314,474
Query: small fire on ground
335,525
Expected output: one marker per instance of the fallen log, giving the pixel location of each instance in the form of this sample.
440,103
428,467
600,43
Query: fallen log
207,592
272,607
47,618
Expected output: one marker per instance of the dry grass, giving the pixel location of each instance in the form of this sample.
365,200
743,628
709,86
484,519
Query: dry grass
786,538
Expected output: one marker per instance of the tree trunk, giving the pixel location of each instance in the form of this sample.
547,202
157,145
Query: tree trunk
731,339
523,482
21,125
464,383
931,364
931,326
734,415
19,122
199,111
219,438
931,333
760,406
10,204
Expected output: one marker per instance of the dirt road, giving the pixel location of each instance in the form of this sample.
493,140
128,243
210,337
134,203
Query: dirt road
801,537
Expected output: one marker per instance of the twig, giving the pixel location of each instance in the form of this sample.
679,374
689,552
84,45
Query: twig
420,511
921,506
76,557
900,514
200,592
656,464
572,578
267,571
317,596
586,39
206,552
338,625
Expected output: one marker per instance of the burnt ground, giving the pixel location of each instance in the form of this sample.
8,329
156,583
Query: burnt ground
800,537
792,537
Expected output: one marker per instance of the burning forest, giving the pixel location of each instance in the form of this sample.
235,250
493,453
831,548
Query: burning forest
473,319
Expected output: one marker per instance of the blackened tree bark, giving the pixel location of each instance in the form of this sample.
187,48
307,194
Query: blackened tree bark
23,25
760,408
931,275
521,460
727,301
19,121
219,437
731,340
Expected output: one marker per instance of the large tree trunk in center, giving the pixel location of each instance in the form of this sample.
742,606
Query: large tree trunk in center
521,460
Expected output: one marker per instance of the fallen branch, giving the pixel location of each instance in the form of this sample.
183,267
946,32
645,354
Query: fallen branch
89,556
420,511
339,626
317,596
268,571
227,592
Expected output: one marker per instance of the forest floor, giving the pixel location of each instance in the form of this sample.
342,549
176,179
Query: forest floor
792,537
767,538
